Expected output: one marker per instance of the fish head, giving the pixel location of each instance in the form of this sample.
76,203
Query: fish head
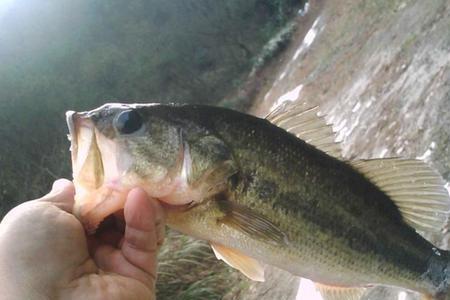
117,147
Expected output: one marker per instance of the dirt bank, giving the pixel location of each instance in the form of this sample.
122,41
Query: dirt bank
380,70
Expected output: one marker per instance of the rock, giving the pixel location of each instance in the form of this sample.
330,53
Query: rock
380,71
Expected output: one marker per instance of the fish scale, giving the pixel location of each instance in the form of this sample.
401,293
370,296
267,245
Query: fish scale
337,187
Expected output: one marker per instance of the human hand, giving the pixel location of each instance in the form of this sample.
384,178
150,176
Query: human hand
45,254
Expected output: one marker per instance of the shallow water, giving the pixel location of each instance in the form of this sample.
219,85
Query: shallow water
381,74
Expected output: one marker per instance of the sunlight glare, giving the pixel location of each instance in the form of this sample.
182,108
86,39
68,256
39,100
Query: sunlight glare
5,5
307,291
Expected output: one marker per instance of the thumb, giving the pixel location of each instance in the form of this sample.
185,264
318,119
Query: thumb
61,195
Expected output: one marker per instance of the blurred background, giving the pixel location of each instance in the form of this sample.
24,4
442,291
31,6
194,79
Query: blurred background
378,70
58,55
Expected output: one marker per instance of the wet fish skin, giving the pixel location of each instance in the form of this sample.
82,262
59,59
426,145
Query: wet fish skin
337,227
341,228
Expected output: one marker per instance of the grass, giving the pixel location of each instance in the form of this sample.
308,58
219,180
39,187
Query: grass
188,270
274,46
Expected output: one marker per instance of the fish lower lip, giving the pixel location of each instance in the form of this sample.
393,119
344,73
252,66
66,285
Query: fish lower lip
72,132
172,207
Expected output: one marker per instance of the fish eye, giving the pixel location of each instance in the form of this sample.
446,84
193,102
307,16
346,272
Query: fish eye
128,121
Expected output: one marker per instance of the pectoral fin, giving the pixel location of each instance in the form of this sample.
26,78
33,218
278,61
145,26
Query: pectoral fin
340,293
250,267
252,223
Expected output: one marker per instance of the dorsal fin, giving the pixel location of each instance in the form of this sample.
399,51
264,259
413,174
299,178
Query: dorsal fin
417,190
304,122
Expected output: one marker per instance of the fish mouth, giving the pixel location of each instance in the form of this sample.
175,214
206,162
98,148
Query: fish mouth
96,195
70,115
100,174
87,164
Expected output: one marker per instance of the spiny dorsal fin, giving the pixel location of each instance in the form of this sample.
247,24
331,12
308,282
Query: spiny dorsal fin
417,190
249,266
340,293
304,122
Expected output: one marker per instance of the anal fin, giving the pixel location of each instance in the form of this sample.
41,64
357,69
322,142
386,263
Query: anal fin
249,266
340,293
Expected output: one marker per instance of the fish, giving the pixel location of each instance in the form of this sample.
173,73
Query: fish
267,191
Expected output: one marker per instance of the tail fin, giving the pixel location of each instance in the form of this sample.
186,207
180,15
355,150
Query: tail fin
438,274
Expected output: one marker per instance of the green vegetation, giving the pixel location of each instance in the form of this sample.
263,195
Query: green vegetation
274,46
188,270
58,55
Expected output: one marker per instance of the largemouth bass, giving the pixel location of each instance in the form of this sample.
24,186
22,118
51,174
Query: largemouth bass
272,191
